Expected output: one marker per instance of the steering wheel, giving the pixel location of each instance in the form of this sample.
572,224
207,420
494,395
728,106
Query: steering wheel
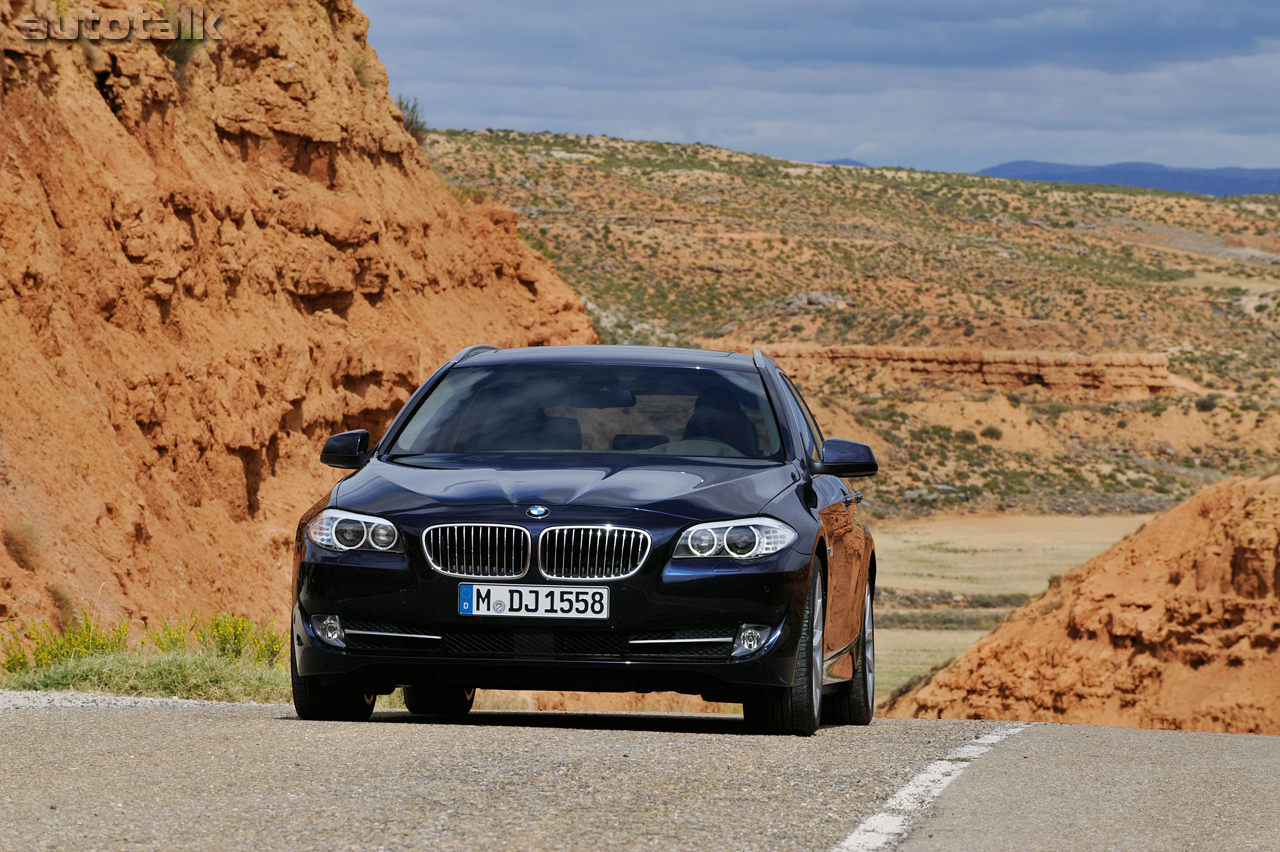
709,439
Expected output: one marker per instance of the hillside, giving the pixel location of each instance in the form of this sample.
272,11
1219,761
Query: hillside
1177,626
694,245
212,257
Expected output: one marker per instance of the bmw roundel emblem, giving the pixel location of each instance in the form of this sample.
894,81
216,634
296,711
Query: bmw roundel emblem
537,511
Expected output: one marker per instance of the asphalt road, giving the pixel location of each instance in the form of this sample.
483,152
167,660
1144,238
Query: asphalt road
187,776
1075,787
137,774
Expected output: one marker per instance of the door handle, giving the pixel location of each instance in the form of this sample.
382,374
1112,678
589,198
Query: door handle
848,500
855,497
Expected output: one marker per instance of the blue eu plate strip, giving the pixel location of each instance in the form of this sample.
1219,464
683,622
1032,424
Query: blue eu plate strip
465,592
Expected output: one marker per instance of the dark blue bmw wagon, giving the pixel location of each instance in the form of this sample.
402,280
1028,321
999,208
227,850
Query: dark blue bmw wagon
601,518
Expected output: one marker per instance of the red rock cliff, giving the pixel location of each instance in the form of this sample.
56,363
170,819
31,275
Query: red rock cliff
1177,626
206,266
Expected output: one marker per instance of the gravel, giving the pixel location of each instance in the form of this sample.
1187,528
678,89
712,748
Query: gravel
14,700
95,772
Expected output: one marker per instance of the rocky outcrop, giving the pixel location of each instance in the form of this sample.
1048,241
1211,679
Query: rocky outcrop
210,259
1062,375
1177,626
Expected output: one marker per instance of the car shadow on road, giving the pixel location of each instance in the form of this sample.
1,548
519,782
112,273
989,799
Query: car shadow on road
685,723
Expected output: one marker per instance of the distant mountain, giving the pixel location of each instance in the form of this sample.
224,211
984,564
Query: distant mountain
1228,181
845,162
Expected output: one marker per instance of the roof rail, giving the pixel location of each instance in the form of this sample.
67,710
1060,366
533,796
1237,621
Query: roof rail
474,350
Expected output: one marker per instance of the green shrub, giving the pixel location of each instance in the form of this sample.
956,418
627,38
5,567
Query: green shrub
82,638
1208,403
225,635
413,120
268,643
13,657
992,433
235,637
180,50
235,659
169,635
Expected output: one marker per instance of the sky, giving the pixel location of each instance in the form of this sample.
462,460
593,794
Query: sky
959,85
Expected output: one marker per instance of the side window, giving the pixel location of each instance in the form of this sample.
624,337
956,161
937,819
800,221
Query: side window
805,417
804,406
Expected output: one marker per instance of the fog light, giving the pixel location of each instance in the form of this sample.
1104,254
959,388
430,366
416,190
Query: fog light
329,629
751,638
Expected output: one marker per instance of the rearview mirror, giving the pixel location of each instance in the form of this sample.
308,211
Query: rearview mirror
347,450
848,459
620,398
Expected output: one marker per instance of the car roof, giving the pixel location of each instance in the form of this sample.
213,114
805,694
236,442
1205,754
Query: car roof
649,356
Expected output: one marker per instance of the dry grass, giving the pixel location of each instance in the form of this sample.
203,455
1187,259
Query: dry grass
903,656
992,555
997,560
22,541
221,658
177,674
361,65
68,614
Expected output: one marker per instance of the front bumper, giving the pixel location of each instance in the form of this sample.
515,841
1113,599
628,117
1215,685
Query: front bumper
400,594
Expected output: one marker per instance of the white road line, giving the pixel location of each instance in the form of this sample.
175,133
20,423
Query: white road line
894,820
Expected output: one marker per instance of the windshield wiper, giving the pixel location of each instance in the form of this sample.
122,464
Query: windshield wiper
395,457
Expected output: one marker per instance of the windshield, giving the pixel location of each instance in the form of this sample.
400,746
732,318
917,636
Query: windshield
675,411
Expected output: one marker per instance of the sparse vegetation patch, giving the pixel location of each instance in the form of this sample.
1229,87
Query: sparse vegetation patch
221,658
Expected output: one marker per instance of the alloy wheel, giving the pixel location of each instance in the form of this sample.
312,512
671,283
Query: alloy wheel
869,644
816,655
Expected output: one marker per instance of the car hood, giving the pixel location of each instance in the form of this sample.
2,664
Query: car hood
683,488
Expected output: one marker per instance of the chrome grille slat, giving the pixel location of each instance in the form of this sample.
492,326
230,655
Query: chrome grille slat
591,552
478,550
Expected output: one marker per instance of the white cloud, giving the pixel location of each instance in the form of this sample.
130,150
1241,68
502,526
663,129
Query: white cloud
568,68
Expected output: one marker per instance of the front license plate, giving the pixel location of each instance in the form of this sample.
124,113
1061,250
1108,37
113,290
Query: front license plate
544,601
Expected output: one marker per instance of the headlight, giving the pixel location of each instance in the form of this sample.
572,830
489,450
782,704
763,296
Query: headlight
338,530
749,538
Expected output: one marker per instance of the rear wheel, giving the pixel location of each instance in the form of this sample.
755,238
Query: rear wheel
854,702
439,700
797,709
316,702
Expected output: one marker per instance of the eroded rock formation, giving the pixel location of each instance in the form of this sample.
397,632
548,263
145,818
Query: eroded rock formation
1061,375
1177,626
209,260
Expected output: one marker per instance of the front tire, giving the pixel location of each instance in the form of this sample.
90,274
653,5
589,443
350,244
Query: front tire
439,700
854,702
797,710
316,702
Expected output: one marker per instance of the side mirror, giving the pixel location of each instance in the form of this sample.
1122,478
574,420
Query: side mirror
849,459
347,450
